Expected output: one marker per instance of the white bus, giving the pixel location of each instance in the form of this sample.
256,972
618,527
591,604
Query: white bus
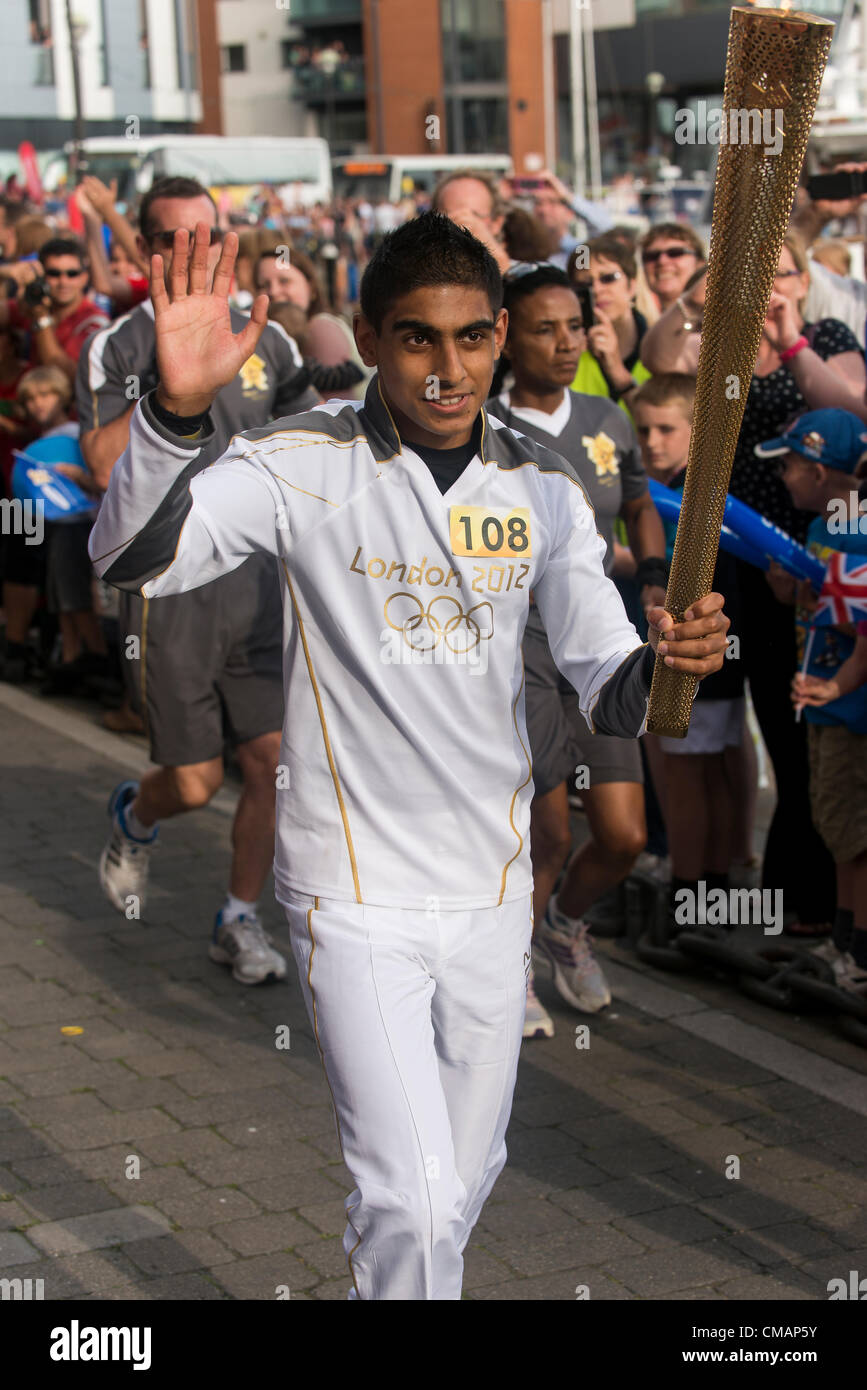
236,163
379,177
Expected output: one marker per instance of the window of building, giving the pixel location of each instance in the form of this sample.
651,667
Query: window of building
233,57
474,40
102,52
482,125
144,43
41,35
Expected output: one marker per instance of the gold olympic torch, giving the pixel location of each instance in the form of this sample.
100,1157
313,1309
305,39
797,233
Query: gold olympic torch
774,69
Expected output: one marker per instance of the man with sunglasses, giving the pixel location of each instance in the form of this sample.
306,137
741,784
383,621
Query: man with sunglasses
203,667
61,322
670,252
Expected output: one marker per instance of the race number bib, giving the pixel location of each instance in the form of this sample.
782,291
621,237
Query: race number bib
489,532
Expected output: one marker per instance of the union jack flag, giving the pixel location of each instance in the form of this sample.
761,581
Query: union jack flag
843,596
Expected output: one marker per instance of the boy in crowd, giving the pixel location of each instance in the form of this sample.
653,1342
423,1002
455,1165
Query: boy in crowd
543,347
700,775
819,458
63,567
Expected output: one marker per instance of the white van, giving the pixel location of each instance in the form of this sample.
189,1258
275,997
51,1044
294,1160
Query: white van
379,177
236,163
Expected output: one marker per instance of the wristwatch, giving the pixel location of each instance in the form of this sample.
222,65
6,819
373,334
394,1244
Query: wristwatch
46,321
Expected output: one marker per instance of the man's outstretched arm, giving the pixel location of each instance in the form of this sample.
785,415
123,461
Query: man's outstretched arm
159,525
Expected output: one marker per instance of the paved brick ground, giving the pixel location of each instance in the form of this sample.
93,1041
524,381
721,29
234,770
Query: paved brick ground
616,1175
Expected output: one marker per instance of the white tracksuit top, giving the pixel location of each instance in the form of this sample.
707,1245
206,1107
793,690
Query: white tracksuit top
405,776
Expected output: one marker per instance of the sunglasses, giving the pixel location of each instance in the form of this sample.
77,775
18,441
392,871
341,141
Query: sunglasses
167,239
605,277
522,268
673,253
67,274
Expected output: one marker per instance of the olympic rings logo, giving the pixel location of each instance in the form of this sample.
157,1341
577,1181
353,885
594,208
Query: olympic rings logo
444,620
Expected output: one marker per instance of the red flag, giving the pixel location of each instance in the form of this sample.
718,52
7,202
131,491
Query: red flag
30,170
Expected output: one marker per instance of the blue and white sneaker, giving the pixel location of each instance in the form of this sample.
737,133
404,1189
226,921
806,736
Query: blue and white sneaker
125,861
562,948
538,1023
244,944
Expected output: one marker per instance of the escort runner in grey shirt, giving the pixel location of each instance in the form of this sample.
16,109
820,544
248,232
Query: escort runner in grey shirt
214,657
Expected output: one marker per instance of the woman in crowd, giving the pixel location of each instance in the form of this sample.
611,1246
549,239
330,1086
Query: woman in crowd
325,340
611,364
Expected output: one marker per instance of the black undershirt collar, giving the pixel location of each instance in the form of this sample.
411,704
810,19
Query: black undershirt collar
447,465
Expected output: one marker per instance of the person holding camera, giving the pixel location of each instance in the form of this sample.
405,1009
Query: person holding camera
52,307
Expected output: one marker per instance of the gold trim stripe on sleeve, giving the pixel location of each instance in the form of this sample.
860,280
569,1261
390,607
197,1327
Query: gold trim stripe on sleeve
527,779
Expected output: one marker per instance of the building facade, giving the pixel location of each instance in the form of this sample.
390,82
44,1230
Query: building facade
139,58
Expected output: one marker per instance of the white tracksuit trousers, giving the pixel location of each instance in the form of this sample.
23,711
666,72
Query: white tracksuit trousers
418,1016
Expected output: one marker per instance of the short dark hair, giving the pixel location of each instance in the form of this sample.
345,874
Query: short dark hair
518,287
63,246
178,187
609,247
428,250
673,231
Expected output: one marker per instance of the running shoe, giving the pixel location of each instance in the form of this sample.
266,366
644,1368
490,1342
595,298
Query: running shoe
562,946
538,1023
829,953
851,976
244,944
125,861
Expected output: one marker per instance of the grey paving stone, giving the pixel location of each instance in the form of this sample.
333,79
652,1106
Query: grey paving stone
211,1206
669,1226
174,1288
289,1192
177,1253
261,1235
94,1232
667,1271
13,1215
647,1156
559,1287
67,1199
131,1127
742,1211
783,1284
260,1277
16,1250
326,1256
787,1243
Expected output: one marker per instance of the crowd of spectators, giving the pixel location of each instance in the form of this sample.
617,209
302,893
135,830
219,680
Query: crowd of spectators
605,330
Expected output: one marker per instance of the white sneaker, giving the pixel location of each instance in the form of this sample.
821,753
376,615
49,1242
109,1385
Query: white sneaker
244,944
538,1023
563,947
125,862
829,953
851,977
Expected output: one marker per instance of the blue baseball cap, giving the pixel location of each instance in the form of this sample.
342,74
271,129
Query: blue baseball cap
835,438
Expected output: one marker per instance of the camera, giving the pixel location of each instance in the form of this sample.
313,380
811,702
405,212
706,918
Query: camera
35,291
843,183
